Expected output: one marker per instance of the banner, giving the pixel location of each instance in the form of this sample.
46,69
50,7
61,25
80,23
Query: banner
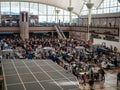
24,16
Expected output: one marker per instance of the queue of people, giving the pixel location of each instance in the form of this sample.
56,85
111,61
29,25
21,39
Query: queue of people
87,63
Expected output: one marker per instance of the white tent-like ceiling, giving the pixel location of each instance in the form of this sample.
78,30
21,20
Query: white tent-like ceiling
64,4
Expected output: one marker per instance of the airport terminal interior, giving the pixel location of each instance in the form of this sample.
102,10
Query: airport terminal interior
59,44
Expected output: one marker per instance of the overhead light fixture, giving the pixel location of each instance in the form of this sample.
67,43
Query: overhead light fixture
70,9
57,11
119,1
89,5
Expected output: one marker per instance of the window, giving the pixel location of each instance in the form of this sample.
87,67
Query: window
51,19
94,11
42,18
60,19
5,8
113,3
85,12
106,10
113,9
51,10
66,19
66,12
118,9
24,6
100,11
33,8
42,9
107,6
15,9
45,13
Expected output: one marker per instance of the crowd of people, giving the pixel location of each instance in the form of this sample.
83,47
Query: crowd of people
87,64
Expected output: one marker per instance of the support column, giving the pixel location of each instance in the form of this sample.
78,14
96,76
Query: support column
119,33
89,6
119,26
70,8
47,15
57,12
24,25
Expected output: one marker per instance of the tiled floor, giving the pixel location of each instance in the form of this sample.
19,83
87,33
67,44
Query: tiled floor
110,81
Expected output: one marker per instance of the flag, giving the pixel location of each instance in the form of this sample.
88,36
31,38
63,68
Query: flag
24,17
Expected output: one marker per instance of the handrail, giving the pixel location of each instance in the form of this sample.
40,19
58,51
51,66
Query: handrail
61,32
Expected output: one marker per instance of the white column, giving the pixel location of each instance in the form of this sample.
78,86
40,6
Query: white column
89,6
57,12
119,26
47,14
63,17
55,16
70,8
0,15
119,32
38,15
70,17
24,25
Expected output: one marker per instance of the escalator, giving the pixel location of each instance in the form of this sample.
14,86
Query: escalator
60,32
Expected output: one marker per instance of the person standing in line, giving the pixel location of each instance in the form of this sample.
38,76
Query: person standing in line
102,78
102,72
101,81
91,84
84,77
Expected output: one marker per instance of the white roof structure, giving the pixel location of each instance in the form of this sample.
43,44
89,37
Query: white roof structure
64,4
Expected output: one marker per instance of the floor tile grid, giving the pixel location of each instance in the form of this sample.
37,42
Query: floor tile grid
49,76
63,75
34,76
18,76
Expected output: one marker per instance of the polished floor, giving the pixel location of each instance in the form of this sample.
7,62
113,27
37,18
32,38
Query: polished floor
110,82
37,75
49,76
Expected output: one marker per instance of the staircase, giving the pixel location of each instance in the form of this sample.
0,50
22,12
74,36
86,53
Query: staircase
60,32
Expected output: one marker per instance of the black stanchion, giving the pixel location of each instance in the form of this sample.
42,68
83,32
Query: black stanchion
118,79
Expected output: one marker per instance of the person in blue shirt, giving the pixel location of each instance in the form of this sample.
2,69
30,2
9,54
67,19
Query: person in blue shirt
81,56
56,58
